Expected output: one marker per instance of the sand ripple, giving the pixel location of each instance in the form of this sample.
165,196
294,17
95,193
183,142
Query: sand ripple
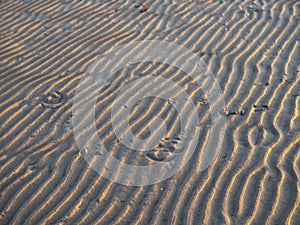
253,47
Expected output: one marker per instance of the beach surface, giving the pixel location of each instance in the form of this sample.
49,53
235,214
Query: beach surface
252,48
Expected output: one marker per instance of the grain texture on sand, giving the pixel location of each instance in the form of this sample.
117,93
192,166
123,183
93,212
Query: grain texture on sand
253,47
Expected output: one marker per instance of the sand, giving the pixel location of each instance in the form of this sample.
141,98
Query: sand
251,46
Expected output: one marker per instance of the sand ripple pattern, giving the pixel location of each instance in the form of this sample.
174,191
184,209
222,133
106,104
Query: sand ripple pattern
253,48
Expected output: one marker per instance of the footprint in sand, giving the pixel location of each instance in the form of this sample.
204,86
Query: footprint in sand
166,149
53,100
234,110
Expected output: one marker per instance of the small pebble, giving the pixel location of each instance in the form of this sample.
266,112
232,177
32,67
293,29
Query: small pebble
144,9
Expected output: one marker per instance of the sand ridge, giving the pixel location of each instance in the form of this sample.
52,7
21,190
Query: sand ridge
252,47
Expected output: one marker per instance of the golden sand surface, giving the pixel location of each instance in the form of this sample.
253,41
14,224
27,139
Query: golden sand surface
253,49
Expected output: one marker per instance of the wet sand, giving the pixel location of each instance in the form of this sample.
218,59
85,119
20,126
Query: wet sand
252,47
